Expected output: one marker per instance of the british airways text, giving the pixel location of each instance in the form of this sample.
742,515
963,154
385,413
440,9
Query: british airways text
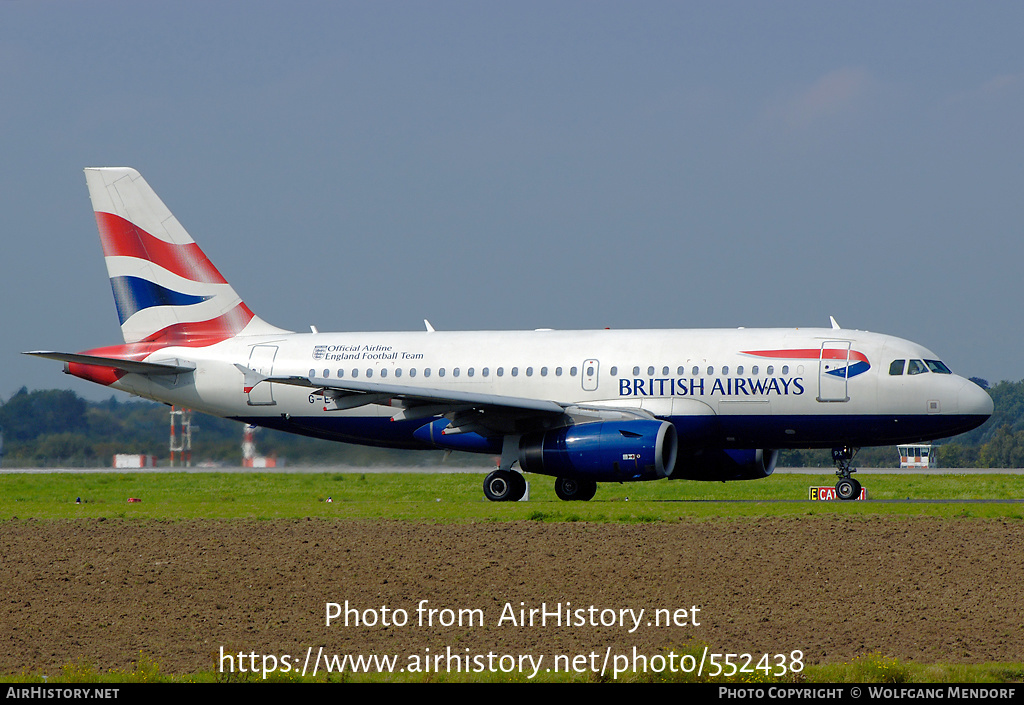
698,387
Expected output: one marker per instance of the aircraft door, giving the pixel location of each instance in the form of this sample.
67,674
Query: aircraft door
589,375
261,359
833,368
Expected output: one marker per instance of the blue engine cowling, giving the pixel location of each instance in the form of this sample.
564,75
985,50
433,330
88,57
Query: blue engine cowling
433,434
720,465
608,451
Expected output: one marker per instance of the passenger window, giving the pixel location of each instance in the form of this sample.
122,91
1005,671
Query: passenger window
916,367
785,369
753,370
515,371
739,369
398,372
341,373
384,373
650,371
636,371
696,371
896,368
543,371
369,372
501,371
572,371
725,370
770,370
355,373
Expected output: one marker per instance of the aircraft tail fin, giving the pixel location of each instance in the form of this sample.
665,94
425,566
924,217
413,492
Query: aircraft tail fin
165,287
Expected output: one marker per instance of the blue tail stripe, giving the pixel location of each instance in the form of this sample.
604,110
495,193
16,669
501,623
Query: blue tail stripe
132,294
850,370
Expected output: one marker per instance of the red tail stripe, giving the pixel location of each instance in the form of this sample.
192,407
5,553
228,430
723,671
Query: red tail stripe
191,335
122,238
94,373
809,354
202,333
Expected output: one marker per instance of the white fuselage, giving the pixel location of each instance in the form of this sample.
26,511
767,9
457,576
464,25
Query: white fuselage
759,387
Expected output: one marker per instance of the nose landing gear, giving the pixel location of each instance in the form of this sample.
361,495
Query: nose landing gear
847,487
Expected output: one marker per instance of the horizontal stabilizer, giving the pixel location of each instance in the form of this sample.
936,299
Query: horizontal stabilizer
162,367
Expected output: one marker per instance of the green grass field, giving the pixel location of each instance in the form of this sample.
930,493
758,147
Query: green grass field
872,668
454,497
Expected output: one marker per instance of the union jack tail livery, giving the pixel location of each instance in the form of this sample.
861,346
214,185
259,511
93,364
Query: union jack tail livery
165,288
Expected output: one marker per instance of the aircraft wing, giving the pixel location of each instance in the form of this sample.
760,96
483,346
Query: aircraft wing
486,414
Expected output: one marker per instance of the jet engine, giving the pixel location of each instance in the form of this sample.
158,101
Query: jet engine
602,451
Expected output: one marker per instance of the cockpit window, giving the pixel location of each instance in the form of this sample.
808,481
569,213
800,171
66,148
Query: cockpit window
916,367
938,367
896,368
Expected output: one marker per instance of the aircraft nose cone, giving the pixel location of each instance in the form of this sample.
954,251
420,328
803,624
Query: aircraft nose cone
972,400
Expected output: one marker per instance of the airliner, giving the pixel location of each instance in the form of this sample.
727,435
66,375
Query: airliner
581,406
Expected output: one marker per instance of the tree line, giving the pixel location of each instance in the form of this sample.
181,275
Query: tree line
55,427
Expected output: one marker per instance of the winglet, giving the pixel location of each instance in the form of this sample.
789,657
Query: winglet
835,326
430,328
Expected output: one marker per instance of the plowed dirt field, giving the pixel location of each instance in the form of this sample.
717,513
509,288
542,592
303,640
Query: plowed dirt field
928,590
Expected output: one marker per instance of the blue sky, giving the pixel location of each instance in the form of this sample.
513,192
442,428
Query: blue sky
503,165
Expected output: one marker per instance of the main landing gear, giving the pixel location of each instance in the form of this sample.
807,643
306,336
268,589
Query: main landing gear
572,490
508,485
504,486
847,487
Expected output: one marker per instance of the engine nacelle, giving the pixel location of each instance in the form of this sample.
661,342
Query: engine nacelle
433,434
723,465
603,451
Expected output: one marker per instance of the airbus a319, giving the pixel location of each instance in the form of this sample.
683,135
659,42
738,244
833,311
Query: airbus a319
581,406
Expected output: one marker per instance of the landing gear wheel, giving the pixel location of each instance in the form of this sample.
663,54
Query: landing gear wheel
504,486
847,488
572,490
498,486
518,486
